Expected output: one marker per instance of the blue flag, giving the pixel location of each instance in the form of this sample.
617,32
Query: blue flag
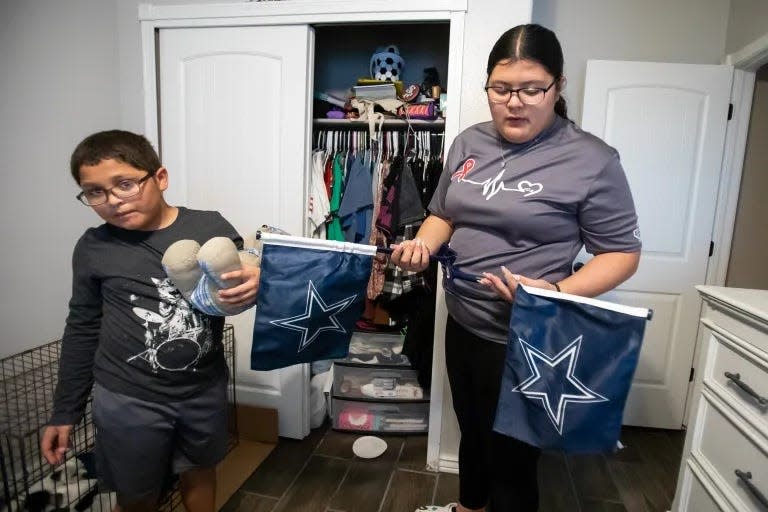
311,293
569,365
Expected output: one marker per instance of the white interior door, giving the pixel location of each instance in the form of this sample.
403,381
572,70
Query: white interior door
668,123
234,123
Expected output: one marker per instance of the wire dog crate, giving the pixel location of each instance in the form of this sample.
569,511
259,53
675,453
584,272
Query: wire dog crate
27,384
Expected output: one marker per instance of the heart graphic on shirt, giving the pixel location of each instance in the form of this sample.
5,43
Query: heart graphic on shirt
529,188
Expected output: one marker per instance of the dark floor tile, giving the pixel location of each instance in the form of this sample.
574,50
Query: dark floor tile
364,487
278,470
677,440
639,478
447,488
589,505
591,478
365,484
556,491
408,490
414,454
245,502
659,453
337,444
640,487
314,486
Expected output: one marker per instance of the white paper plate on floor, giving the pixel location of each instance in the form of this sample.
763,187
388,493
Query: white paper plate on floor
369,447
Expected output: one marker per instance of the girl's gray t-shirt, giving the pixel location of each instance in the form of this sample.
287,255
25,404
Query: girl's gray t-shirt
529,207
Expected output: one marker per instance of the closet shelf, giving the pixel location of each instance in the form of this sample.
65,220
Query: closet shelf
350,124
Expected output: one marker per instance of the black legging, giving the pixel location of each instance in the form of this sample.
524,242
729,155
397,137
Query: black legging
494,470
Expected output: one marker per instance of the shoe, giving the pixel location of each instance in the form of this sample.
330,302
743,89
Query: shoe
451,507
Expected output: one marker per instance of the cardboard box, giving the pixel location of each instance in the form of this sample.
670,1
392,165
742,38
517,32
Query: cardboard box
257,437
257,423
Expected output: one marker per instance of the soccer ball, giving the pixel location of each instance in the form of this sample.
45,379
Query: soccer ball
387,64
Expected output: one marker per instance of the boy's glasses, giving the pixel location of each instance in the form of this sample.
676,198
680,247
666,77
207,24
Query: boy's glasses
526,95
125,189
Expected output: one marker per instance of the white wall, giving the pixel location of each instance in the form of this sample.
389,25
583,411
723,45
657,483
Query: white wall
686,31
748,21
59,83
485,21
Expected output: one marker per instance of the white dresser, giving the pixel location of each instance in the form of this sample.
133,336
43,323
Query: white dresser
725,459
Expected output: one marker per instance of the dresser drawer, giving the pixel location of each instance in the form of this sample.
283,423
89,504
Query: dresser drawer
739,324
730,370
371,383
695,497
725,443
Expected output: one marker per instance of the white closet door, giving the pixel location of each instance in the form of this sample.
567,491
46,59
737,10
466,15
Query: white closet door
233,134
668,123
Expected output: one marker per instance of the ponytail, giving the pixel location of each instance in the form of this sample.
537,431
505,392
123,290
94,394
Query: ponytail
560,108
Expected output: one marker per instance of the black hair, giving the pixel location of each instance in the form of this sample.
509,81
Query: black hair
127,147
535,43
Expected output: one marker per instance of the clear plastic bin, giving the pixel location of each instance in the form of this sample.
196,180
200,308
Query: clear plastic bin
377,349
374,383
394,418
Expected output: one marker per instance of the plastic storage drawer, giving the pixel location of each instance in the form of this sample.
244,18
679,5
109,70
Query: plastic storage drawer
376,383
377,349
393,417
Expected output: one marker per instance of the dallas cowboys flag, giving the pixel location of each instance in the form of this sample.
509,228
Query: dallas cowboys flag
568,369
311,293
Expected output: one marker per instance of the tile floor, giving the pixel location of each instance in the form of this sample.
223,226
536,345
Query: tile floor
321,474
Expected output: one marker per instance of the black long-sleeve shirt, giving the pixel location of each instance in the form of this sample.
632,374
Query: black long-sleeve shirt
128,327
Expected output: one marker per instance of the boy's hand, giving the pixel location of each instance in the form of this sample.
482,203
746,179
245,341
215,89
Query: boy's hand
244,293
55,442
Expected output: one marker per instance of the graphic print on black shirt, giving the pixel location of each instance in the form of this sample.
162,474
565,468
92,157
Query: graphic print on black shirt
176,336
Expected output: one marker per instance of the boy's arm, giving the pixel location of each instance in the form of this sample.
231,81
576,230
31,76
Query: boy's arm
78,346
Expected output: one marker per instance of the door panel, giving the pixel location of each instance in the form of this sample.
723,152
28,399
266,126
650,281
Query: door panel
233,123
668,123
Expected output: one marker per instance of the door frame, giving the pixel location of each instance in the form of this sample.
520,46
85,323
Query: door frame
746,62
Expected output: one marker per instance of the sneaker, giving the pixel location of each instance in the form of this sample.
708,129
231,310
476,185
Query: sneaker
451,507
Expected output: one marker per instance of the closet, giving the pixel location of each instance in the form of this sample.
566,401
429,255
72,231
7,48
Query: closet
228,100
386,171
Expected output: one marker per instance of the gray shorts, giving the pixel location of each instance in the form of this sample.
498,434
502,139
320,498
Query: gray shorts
140,444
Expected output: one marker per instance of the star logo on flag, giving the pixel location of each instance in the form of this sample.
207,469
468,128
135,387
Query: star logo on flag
558,387
317,317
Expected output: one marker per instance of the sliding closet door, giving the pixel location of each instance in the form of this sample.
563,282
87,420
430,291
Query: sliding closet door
233,121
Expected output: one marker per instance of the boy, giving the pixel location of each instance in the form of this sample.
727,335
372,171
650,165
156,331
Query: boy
159,398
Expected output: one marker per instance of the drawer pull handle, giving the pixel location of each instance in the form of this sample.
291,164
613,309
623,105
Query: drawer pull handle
746,478
736,379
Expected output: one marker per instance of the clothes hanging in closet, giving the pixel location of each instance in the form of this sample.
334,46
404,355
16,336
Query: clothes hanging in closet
378,194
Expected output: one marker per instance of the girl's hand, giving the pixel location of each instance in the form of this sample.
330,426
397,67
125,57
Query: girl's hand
505,287
411,255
